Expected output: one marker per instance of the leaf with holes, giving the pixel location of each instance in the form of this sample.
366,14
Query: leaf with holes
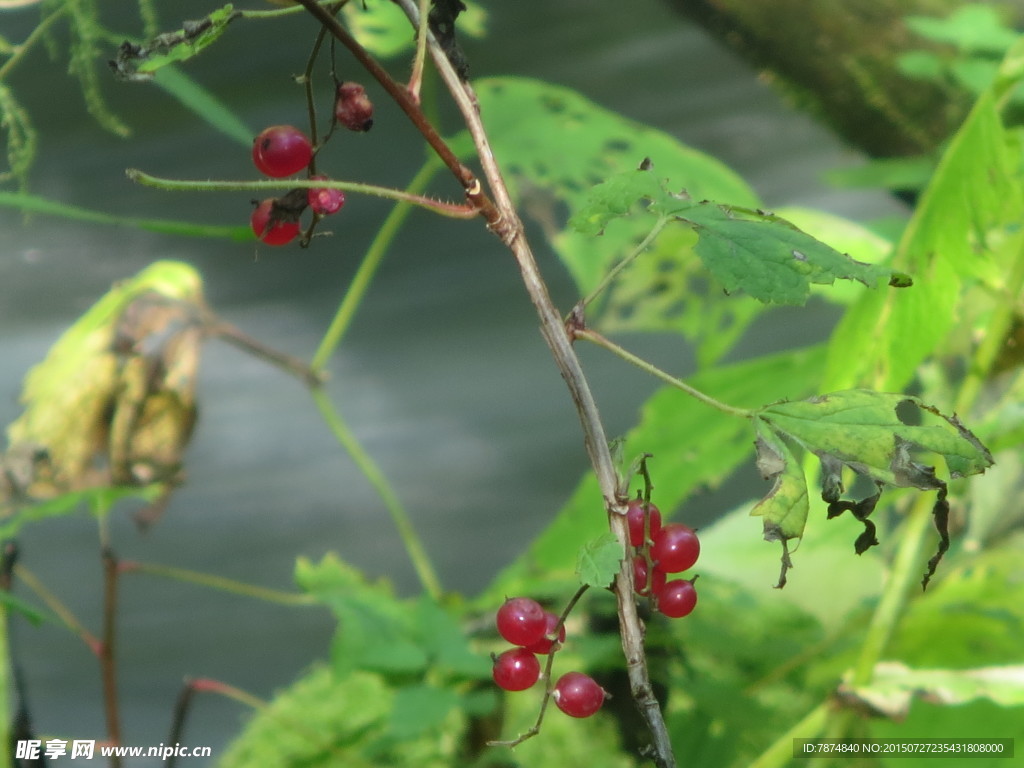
746,250
139,62
877,435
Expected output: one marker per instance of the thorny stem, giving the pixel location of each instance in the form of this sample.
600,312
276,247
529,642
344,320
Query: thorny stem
503,220
452,210
54,603
611,346
235,336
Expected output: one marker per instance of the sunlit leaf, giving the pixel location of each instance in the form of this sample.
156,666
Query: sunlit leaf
598,561
893,686
877,435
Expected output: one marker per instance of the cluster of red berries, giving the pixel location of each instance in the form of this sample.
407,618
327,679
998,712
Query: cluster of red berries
284,150
659,550
524,623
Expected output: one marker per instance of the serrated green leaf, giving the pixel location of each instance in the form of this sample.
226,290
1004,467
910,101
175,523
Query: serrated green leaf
140,62
375,629
877,435
418,709
598,561
785,506
869,432
769,258
445,643
965,228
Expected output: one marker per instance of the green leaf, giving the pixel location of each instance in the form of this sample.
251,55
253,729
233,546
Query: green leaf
972,27
445,643
384,29
420,708
769,258
140,62
598,561
375,630
785,506
878,436
965,228
894,685
746,250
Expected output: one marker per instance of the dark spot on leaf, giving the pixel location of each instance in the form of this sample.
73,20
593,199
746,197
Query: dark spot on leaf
900,280
553,104
616,146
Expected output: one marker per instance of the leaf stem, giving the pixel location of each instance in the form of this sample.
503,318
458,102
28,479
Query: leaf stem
452,210
218,582
602,341
413,546
629,259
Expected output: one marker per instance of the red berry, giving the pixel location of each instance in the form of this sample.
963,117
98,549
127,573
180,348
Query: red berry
677,599
547,641
521,621
281,150
640,577
635,518
675,548
270,228
325,201
516,669
578,695
352,107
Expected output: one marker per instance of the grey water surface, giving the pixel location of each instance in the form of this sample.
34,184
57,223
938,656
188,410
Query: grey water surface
444,377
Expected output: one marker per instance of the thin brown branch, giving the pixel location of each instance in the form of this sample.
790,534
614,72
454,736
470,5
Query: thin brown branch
503,220
108,660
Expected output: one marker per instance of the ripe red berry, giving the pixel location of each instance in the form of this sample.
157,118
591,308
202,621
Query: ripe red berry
578,695
281,150
325,201
546,642
677,599
521,621
675,548
635,518
640,573
516,669
271,228
352,107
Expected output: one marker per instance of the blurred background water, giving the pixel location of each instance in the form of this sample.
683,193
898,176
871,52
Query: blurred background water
444,376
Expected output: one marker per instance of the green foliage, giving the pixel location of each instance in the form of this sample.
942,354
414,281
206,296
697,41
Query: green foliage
21,138
141,62
876,435
979,40
745,250
383,29
598,561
